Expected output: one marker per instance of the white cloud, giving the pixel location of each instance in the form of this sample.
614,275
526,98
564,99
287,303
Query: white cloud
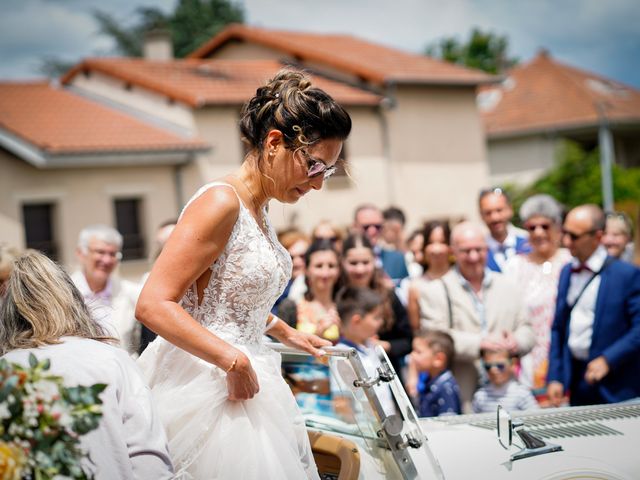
597,35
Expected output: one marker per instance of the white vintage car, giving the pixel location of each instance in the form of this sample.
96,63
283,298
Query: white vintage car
355,434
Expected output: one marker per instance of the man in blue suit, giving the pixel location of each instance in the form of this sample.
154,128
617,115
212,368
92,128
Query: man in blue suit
504,240
595,338
368,219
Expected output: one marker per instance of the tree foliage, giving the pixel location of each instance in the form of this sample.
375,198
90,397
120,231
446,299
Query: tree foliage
576,179
483,50
192,23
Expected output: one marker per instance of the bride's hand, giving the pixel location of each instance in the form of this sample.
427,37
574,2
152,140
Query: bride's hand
307,342
242,381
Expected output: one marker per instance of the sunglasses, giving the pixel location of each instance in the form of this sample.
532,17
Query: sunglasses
501,366
532,227
316,167
367,226
333,239
576,236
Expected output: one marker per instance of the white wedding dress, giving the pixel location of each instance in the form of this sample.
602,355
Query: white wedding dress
211,437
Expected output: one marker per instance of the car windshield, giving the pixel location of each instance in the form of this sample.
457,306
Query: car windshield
365,403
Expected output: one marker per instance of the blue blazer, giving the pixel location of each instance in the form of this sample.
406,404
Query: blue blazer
393,263
522,246
616,332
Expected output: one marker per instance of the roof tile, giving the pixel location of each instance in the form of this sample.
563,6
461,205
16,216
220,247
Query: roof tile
209,82
58,121
545,94
373,62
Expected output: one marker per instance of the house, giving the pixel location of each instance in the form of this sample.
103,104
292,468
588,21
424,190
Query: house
67,162
141,135
424,148
544,101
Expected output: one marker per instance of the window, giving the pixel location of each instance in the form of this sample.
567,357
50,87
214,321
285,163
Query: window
37,219
129,225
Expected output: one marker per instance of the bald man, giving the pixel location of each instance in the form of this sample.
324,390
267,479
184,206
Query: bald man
479,308
595,337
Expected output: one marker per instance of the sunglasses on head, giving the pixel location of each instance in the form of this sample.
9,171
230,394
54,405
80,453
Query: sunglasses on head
501,366
316,167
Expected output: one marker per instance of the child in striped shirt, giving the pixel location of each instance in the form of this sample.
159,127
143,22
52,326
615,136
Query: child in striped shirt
502,389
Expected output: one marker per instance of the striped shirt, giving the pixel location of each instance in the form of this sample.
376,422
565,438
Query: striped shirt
511,396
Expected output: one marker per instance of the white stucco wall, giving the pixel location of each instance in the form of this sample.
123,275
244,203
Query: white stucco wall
83,197
520,160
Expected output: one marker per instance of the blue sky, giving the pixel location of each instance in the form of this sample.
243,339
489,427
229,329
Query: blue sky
602,36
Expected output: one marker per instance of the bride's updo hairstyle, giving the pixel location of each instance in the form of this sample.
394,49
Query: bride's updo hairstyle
291,104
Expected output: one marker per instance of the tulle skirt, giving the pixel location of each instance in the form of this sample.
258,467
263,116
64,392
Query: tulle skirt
211,437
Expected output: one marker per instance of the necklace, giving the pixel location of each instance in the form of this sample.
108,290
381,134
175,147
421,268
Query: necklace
253,197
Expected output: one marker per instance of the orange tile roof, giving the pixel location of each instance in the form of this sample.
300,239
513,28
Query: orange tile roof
545,94
57,122
209,82
369,61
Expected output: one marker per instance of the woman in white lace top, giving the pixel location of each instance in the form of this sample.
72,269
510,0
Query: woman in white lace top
227,410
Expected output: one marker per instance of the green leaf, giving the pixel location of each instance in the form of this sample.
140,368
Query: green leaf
33,361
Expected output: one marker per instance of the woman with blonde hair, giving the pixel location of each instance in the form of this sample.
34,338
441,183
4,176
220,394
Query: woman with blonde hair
44,313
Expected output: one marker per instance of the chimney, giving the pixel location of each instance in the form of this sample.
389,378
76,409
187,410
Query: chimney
157,45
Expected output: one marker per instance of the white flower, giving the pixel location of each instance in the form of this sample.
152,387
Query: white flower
4,411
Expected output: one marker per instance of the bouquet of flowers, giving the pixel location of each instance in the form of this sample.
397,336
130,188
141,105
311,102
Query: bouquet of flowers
41,422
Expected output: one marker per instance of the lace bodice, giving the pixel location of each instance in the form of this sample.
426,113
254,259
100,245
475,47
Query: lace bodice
246,280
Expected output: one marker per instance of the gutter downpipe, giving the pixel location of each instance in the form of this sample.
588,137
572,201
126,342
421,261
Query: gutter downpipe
605,142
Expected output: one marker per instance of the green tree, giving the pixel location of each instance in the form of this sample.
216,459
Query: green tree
576,179
192,23
484,50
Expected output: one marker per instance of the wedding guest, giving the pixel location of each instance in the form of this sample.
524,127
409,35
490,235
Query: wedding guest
595,337
479,308
414,257
502,387
504,239
368,220
393,229
618,236
7,256
44,314
111,299
536,274
359,270
438,392
317,313
296,243
437,261
327,230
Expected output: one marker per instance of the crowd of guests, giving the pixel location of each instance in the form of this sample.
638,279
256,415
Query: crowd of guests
474,314
471,315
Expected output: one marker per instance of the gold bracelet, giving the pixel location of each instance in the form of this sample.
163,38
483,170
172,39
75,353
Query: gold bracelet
233,364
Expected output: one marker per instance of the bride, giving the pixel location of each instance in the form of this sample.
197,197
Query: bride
227,411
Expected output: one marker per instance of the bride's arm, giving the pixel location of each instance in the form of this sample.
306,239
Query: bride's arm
295,338
196,242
